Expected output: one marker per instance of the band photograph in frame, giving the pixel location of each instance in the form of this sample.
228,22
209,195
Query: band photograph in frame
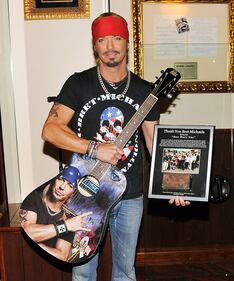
56,9
181,162
193,36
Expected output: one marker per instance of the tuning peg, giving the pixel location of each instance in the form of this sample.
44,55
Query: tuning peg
169,96
162,71
156,77
175,90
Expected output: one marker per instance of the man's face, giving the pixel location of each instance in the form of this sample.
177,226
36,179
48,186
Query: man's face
62,189
111,50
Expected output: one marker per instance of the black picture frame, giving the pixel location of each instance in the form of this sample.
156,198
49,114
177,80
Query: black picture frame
181,162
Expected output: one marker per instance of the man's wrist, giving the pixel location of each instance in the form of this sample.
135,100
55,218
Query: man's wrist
92,149
60,227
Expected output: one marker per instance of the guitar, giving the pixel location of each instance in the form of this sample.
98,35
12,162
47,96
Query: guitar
100,185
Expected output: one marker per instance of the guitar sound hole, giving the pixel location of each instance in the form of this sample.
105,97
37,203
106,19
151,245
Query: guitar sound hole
88,186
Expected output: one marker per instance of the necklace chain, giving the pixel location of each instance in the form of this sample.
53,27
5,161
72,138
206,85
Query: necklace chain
114,85
50,212
105,89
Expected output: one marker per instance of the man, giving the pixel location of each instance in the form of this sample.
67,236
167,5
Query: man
100,101
43,218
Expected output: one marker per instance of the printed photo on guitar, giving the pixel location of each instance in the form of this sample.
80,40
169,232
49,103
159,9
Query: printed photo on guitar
43,208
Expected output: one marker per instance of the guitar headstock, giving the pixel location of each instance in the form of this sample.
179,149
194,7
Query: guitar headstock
165,84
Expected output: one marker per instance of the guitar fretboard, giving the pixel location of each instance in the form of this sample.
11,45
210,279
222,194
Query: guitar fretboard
100,167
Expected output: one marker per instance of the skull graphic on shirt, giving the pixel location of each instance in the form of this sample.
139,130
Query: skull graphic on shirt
111,124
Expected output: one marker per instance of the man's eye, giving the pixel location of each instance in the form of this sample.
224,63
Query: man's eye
100,40
118,38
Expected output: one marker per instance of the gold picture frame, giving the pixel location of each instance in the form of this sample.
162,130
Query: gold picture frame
200,85
56,9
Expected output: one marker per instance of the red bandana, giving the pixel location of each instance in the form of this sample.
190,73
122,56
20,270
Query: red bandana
110,25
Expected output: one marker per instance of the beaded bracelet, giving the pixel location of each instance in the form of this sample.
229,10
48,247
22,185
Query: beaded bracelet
60,227
92,149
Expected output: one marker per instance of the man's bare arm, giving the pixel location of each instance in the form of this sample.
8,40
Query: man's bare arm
61,250
42,232
37,232
57,132
148,131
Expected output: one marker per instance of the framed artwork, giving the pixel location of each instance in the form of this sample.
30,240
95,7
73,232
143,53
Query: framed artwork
56,9
196,37
181,162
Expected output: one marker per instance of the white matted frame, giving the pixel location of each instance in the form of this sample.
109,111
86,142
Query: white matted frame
181,162
207,46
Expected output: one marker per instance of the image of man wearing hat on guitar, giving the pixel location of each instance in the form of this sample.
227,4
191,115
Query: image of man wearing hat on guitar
43,217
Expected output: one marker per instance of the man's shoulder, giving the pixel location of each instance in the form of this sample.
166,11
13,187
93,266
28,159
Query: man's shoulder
137,79
84,74
77,78
142,85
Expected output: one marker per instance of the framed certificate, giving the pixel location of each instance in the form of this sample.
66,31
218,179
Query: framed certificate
194,36
181,162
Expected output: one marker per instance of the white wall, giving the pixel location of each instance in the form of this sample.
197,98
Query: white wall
44,54
200,109
7,105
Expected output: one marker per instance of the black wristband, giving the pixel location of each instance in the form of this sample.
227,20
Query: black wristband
60,227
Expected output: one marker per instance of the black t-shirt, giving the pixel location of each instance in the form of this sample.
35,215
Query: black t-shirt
33,202
101,117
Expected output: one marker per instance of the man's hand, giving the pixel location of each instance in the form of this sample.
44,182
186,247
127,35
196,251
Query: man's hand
109,153
77,222
179,201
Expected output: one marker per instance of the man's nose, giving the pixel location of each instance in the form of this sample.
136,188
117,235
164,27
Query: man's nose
62,186
109,43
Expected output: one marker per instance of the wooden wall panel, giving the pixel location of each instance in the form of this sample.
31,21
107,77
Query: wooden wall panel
12,256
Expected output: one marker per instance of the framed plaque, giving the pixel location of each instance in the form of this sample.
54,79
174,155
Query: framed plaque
181,162
196,35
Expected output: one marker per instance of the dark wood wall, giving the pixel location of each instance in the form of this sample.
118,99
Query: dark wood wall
169,235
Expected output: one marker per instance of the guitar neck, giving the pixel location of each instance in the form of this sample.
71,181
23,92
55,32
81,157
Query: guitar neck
135,121
101,167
